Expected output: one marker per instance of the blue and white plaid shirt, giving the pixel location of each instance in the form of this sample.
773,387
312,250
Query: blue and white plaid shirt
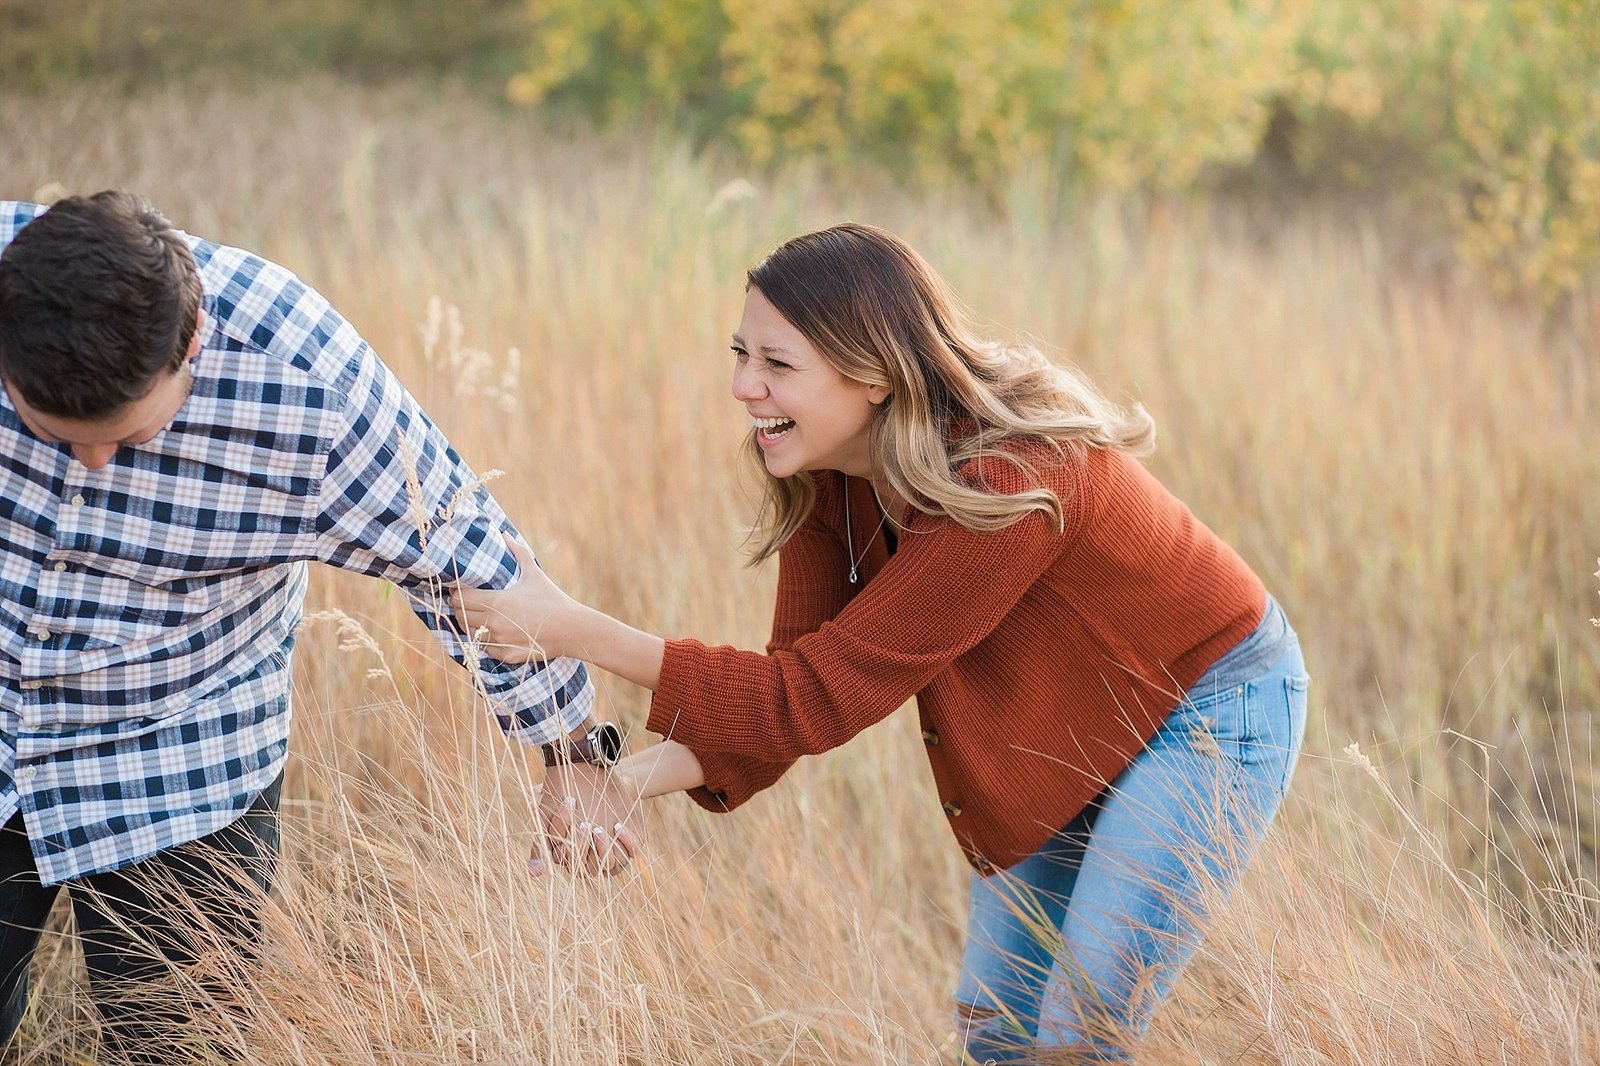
148,609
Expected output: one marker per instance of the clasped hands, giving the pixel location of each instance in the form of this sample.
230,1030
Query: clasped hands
588,820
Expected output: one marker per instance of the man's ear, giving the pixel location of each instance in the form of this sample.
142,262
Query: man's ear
194,341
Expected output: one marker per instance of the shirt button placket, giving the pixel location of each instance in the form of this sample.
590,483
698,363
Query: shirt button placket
40,631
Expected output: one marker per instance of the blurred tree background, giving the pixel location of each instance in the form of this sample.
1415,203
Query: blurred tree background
1480,118
46,42
1485,113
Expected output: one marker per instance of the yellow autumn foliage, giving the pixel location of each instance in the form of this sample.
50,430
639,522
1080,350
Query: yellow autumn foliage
1491,107
1137,92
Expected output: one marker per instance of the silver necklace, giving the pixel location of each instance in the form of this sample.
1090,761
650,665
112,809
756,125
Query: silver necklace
849,538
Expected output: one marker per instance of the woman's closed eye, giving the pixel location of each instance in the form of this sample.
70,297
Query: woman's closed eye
742,356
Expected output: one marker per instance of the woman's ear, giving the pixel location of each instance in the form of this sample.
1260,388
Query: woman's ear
878,393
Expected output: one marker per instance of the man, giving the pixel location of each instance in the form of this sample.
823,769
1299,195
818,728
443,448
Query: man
183,426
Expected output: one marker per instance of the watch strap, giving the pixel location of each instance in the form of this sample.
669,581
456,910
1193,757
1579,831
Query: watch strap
598,745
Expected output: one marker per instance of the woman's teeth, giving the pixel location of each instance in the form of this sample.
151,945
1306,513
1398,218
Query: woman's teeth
773,428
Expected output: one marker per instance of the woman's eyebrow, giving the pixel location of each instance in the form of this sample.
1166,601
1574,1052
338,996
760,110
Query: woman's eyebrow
765,349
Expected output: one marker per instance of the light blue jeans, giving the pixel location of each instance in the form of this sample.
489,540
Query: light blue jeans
1070,951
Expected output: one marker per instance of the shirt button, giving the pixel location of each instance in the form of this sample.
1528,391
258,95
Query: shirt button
77,501
59,567
952,808
930,738
28,773
42,633
33,686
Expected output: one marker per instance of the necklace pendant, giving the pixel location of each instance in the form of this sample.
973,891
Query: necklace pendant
854,577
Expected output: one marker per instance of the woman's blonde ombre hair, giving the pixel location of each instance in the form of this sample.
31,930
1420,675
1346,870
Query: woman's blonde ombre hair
881,315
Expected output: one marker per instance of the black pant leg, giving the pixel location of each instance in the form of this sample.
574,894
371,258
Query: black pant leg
138,922
24,906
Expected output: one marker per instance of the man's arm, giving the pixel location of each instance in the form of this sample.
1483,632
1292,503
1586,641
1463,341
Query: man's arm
397,502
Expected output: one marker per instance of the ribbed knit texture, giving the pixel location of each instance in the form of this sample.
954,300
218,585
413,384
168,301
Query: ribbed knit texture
1042,660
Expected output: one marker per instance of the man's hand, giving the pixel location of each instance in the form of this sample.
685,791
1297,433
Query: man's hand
590,819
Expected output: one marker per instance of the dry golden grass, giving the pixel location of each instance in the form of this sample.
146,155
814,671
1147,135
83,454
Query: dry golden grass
1407,463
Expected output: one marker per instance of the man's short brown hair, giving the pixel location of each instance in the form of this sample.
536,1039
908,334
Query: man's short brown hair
98,298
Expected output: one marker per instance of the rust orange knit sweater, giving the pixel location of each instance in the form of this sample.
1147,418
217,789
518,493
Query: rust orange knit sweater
1042,660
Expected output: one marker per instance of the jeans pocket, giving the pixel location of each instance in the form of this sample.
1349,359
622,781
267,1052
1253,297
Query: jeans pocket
1296,689
1253,725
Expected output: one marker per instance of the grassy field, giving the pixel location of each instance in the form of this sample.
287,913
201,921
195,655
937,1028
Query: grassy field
1408,463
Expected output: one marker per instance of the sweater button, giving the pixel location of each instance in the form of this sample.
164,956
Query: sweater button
930,738
952,808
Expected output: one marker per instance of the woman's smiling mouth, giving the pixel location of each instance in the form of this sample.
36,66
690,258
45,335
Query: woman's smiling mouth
772,430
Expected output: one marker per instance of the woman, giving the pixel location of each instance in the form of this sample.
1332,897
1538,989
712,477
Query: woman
1110,701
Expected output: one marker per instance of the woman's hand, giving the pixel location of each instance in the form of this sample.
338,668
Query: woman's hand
531,619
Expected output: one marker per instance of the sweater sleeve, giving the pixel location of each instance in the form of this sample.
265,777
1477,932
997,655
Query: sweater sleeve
802,605
942,593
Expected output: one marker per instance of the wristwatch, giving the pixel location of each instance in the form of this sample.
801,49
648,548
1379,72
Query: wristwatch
599,745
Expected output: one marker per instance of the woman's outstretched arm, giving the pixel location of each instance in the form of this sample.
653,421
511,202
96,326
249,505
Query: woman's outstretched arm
533,618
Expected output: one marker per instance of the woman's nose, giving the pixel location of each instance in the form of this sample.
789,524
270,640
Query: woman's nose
747,384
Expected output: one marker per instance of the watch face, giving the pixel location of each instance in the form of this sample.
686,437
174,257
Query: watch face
606,739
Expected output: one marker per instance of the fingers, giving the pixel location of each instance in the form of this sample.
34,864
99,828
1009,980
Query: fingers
469,616
587,821
503,622
589,849
617,854
557,818
606,857
602,853
488,629
522,553
582,845
627,838
509,653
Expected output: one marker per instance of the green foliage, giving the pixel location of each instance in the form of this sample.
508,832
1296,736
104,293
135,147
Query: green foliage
1133,92
1493,104
619,59
1490,108
48,41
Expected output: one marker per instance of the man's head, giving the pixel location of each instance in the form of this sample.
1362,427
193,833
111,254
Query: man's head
99,306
